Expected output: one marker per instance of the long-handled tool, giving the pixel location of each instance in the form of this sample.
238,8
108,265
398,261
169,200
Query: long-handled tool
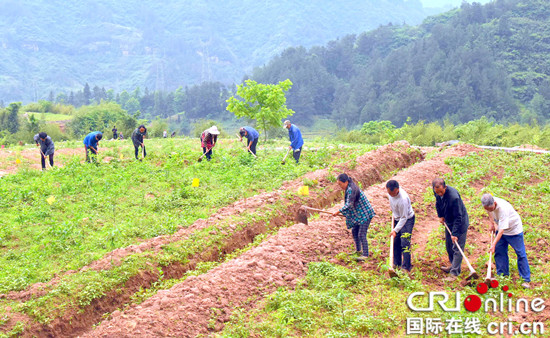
301,216
200,158
391,271
143,148
489,265
45,159
284,158
473,273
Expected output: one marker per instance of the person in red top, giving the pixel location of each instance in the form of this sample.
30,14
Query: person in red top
209,137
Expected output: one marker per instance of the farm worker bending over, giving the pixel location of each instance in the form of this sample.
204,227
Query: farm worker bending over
47,147
403,216
252,137
358,212
91,141
509,230
209,137
137,139
296,141
451,210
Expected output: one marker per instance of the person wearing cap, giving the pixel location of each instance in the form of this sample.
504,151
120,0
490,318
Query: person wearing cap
137,139
509,230
403,218
209,137
91,142
252,137
47,147
296,140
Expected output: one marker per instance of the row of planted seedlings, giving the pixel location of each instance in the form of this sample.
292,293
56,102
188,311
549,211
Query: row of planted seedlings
77,300
347,300
63,219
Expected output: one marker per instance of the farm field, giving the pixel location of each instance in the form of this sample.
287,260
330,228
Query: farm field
131,248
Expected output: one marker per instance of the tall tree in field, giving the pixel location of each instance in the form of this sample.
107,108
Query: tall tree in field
87,94
12,124
265,103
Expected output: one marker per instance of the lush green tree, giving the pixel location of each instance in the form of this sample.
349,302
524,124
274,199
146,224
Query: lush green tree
12,118
264,103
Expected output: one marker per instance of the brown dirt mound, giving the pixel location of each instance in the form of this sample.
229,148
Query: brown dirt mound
369,168
188,308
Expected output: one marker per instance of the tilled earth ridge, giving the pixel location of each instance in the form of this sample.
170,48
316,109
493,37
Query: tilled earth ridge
187,309
369,167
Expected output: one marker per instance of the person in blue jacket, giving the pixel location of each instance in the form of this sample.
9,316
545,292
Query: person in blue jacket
252,137
90,144
296,140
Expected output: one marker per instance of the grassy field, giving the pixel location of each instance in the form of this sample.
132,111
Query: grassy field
63,219
344,300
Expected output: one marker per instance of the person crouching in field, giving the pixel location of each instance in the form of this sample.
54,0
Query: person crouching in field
358,212
252,137
403,217
209,137
509,229
137,139
91,142
47,147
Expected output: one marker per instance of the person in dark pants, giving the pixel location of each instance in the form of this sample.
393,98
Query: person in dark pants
451,211
296,140
137,138
358,212
47,148
403,216
115,134
252,137
506,222
91,142
209,137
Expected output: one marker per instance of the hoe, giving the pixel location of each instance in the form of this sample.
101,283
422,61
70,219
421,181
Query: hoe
473,273
302,214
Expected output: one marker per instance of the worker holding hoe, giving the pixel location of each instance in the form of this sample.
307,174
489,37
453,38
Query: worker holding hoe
47,148
452,212
358,212
252,137
209,137
91,142
137,138
296,140
403,217
509,229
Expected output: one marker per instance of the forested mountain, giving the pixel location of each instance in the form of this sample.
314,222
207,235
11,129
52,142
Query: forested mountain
55,45
480,60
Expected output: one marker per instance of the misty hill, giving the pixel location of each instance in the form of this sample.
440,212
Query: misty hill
59,45
480,60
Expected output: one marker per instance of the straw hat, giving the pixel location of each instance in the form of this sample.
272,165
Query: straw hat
214,130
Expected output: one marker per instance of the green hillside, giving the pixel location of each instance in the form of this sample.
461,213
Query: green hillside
480,60
59,46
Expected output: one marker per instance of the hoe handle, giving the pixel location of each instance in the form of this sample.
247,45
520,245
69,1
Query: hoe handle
472,270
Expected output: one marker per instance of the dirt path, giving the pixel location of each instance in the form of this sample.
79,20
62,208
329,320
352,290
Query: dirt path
202,304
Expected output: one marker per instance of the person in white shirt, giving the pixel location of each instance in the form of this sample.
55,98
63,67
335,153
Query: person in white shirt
509,230
403,216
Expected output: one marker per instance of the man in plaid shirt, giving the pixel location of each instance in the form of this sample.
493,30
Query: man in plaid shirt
358,212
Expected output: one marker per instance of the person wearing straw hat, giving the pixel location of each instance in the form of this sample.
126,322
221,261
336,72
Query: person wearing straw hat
296,140
252,137
209,137
47,147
